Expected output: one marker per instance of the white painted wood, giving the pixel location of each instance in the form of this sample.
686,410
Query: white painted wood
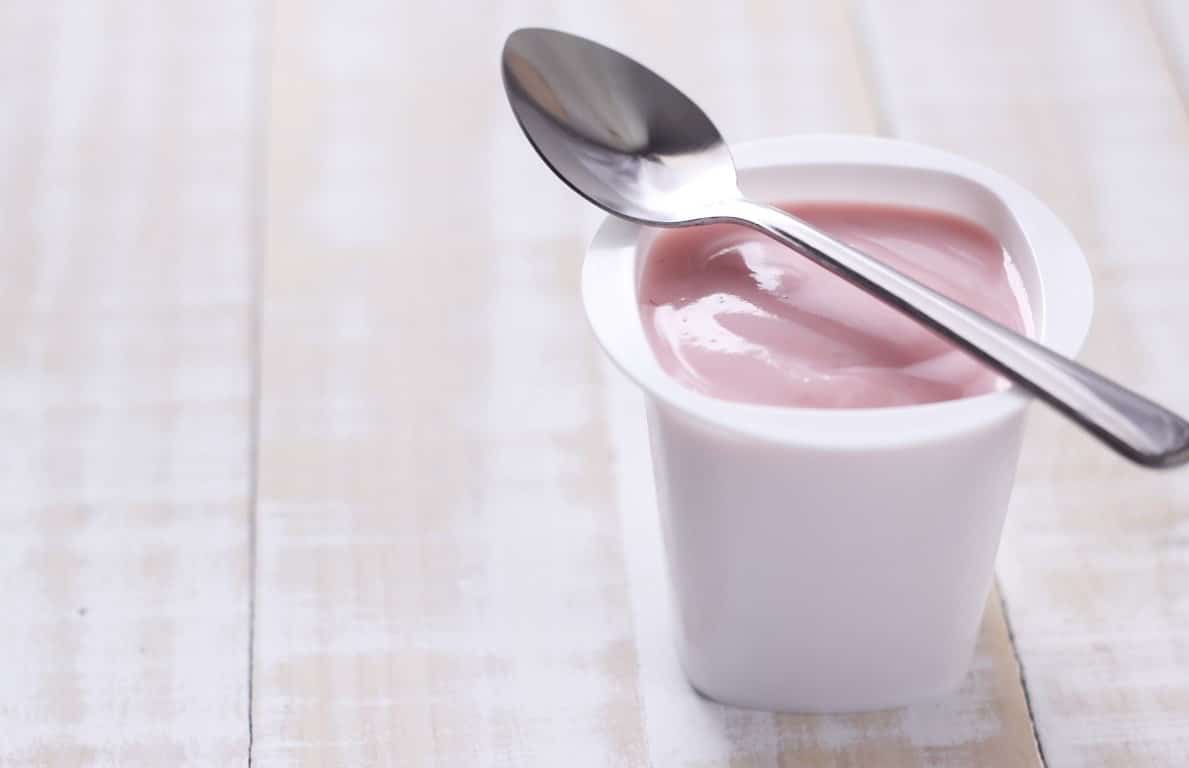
1076,100
125,382
459,561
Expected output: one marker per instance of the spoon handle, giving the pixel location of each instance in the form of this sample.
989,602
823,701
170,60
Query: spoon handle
1137,428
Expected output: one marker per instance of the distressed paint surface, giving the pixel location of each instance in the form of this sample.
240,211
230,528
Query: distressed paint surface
457,560
1095,560
125,382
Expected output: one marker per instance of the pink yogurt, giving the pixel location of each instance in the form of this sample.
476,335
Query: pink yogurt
737,316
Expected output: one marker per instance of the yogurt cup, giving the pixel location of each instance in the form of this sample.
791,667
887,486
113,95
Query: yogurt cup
837,560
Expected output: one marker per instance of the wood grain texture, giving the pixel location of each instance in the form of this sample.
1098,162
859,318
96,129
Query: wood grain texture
459,561
1076,100
125,382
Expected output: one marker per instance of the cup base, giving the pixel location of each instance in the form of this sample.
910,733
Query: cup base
797,703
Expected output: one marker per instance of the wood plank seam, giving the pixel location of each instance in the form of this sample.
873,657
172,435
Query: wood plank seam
258,195
1011,637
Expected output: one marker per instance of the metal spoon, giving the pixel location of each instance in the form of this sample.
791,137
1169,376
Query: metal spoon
634,145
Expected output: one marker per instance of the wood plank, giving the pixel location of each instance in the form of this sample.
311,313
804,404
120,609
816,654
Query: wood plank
459,559
1076,101
125,382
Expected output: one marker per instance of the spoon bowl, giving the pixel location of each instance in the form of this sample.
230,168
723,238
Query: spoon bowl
615,131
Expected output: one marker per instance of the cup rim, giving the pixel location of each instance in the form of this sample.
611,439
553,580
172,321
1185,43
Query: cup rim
1064,287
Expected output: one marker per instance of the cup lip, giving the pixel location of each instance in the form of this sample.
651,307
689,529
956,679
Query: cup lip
1064,286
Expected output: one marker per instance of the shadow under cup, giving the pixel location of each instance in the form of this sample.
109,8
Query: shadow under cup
837,560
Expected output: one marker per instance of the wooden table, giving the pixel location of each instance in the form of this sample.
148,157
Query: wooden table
264,498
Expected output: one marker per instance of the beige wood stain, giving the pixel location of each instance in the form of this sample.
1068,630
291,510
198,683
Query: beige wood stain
457,560
449,502
1085,112
125,382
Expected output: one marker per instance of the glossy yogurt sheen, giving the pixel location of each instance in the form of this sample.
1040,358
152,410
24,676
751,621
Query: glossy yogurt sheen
737,316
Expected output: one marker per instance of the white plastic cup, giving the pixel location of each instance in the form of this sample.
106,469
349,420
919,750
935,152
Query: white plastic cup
837,560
